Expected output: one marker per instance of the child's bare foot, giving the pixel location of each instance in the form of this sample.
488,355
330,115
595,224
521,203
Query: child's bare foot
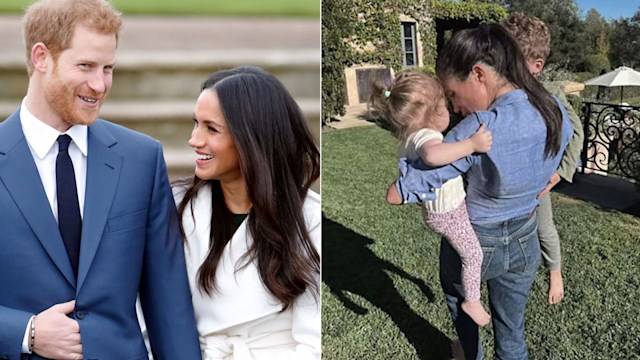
556,287
393,197
475,310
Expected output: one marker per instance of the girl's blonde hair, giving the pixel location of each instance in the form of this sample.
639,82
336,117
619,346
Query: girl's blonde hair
412,97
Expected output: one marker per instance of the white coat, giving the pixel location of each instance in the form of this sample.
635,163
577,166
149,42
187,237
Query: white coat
242,320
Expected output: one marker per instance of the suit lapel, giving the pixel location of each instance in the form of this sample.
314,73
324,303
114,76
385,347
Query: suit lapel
19,174
103,171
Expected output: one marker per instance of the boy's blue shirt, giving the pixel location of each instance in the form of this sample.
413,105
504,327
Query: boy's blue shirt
504,182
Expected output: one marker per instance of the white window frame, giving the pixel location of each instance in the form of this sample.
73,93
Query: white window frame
414,43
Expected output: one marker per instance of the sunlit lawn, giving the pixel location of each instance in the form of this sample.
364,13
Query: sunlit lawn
381,293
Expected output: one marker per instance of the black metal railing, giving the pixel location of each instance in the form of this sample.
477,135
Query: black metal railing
611,139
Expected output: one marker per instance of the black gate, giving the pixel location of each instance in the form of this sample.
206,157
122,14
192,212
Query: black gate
612,139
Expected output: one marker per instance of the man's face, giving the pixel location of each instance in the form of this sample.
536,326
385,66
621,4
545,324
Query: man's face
80,79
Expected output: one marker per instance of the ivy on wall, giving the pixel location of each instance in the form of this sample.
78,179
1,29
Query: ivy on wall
369,32
485,12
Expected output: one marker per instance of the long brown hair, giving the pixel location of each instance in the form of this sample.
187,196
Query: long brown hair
279,161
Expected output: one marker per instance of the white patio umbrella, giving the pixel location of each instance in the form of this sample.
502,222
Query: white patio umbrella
622,76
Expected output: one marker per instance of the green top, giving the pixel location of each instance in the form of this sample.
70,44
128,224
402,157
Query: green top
239,218
572,152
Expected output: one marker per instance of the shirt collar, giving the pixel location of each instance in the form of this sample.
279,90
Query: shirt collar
509,98
41,136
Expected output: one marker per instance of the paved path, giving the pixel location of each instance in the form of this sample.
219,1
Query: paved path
607,192
355,116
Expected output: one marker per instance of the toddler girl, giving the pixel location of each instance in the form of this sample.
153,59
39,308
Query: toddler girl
415,107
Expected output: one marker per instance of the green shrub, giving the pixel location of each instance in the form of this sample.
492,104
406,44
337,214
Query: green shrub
553,72
597,63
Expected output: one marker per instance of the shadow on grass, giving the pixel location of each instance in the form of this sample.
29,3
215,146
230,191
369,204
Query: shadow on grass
348,265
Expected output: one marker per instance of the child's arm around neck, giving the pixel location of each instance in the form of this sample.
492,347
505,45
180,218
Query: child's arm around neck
436,153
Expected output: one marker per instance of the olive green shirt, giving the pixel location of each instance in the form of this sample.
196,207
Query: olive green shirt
572,152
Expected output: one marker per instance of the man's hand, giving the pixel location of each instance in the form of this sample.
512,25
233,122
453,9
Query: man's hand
58,336
481,141
555,179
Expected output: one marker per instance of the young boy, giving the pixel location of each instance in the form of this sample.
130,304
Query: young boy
533,36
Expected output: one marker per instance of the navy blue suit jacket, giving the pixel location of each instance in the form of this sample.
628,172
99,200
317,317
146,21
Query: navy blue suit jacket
130,244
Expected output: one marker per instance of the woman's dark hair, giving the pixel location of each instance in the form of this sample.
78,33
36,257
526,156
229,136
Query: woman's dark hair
492,45
279,161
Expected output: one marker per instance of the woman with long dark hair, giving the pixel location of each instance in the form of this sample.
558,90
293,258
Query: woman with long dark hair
251,224
485,77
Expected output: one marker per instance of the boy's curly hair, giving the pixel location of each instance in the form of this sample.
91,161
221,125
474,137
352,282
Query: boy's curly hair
531,33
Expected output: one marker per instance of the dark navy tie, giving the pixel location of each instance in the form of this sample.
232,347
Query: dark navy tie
69,220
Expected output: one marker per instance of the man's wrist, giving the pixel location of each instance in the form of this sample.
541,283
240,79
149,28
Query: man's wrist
32,334
26,340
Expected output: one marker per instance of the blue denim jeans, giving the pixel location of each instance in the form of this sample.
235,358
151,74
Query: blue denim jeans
511,256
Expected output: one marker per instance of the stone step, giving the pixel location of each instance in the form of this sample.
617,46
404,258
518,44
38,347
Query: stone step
149,32
168,121
178,74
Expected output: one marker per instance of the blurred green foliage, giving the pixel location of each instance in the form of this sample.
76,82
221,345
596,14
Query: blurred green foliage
306,8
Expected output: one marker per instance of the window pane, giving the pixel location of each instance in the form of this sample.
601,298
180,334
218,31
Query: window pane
406,30
408,45
409,59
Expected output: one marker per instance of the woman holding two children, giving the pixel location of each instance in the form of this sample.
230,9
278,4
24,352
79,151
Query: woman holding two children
486,79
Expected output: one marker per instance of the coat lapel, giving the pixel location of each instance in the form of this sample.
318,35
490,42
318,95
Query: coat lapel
19,174
103,171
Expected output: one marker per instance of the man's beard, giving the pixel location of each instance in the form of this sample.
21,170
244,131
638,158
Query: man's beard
63,101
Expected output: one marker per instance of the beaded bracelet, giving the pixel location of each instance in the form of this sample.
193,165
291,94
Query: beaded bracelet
32,338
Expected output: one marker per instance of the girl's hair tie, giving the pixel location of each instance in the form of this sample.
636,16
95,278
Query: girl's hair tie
387,93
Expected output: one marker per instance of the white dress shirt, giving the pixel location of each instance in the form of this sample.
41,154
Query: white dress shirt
43,143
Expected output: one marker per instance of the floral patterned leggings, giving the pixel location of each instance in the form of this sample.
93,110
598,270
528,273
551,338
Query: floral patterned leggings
454,225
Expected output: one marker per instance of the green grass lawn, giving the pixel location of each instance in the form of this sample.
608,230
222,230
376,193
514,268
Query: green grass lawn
381,293
307,8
